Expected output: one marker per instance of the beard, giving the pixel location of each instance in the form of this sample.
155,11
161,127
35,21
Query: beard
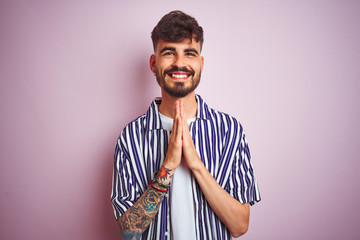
179,89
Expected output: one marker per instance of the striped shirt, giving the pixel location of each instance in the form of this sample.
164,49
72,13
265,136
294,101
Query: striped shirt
221,144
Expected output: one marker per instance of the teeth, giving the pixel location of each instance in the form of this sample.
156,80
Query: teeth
179,75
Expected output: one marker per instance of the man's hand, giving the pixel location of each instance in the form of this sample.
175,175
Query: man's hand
173,155
138,217
190,154
230,211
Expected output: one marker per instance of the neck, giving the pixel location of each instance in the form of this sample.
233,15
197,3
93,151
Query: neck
167,106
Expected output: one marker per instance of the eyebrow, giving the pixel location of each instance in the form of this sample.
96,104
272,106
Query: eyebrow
193,50
167,49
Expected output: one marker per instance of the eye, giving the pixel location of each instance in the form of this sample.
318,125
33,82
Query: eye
168,53
190,54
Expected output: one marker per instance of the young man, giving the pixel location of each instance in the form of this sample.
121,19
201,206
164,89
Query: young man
182,170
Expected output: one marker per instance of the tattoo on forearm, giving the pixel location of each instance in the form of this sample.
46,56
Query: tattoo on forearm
138,217
151,201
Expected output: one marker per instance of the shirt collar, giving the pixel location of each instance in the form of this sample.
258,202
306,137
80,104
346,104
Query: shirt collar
152,115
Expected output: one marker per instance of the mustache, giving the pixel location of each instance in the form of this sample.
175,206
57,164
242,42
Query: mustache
183,69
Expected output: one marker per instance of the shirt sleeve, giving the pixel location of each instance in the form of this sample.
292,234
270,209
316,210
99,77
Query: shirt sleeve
242,182
124,192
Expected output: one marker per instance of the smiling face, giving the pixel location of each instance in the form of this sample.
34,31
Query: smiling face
177,66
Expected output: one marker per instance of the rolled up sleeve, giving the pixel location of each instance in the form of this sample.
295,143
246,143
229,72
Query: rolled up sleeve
124,192
242,182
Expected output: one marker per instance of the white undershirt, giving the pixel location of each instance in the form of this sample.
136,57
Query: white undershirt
181,196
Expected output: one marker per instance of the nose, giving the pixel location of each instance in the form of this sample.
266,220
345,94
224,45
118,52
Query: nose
179,62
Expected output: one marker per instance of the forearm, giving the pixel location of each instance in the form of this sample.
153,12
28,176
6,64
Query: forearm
229,210
139,216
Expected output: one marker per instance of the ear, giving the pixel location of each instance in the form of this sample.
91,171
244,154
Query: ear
202,63
152,62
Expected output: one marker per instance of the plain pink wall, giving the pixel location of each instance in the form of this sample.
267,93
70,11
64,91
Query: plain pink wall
74,72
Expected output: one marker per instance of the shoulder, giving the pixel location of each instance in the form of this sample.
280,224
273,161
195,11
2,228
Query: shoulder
133,126
130,133
224,120
215,116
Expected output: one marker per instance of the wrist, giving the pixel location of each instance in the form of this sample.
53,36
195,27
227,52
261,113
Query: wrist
163,176
159,186
196,165
169,164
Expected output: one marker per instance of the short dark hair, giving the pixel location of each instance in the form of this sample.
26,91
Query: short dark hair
177,26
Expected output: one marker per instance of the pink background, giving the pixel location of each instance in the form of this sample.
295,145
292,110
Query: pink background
74,72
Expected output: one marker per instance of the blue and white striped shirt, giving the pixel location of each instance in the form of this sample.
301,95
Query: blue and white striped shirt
221,144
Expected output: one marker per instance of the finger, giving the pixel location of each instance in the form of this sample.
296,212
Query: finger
181,106
180,128
177,108
178,123
174,127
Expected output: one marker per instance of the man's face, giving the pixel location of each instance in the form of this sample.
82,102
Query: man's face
177,66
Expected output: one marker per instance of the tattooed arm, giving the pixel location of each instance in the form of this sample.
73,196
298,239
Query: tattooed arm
139,216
